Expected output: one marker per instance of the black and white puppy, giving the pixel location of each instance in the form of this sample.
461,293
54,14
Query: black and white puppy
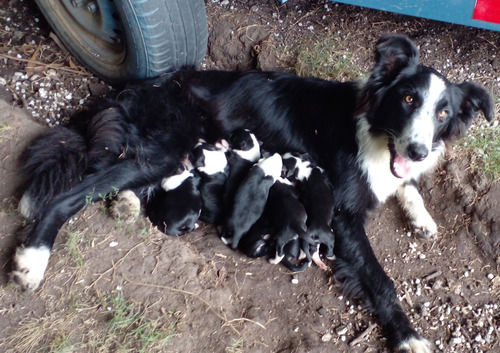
250,199
317,197
288,217
210,164
243,152
259,241
175,206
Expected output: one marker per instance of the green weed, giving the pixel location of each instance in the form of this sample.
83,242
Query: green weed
73,238
327,60
483,143
131,331
236,347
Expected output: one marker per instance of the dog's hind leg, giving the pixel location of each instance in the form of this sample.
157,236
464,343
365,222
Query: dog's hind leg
413,204
31,258
363,277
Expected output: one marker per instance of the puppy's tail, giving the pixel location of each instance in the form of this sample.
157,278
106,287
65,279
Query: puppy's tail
52,164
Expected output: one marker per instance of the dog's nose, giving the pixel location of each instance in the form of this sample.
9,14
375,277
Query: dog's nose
417,152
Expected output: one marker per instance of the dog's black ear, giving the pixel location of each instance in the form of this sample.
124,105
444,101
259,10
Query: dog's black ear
473,98
393,54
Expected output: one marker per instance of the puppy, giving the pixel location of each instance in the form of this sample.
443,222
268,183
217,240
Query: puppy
288,217
259,241
210,164
250,199
317,197
175,206
243,153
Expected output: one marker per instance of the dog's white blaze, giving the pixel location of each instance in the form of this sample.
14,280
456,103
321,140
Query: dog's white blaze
271,166
29,266
252,154
173,182
303,168
284,181
276,260
374,158
215,162
421,130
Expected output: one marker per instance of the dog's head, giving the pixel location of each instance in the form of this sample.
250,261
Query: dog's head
414,106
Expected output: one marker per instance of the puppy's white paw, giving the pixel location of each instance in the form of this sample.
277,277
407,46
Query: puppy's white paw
126,206
415,345
29,266
425,227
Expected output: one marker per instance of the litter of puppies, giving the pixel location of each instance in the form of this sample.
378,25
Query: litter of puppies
263,204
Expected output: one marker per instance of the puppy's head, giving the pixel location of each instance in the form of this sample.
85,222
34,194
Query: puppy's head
244,143
416,108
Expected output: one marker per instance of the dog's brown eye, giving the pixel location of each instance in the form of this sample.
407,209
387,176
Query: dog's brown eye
409,99
442,114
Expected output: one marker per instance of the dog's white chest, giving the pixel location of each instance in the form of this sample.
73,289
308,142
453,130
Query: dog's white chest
375,162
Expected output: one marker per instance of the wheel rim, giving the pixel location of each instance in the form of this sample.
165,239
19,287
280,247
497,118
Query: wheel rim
96,26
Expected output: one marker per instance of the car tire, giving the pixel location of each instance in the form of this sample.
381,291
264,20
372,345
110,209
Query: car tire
127,40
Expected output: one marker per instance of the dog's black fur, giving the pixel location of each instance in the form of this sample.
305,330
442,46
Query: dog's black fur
139,136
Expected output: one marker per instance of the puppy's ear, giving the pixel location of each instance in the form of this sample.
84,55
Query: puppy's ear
474,98
393,53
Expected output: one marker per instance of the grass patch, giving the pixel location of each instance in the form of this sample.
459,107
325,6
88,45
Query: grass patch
44,334
483,144
236,347
130,331
327,60
74,253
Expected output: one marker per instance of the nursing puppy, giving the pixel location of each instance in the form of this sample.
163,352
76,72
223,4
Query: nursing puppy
210,164
243,152
250,199
175,206
288,218
317,197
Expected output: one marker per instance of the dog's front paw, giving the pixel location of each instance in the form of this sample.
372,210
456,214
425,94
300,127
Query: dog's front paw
425,227
29,266
415,345
126,207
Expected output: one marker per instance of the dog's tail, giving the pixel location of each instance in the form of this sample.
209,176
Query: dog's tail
52,164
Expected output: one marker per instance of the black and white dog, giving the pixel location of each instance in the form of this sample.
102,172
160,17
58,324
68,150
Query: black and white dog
373,138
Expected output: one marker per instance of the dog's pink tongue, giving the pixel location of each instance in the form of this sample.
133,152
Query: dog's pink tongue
401,166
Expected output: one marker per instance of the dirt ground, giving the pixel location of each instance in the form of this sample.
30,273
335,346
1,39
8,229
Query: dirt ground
214,299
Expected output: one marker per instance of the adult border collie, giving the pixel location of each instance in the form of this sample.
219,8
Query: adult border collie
374,139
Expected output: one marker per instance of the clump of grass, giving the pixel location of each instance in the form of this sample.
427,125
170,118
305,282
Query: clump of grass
44,334
73,238
61,344
483,143
326,60
130,330
236,346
